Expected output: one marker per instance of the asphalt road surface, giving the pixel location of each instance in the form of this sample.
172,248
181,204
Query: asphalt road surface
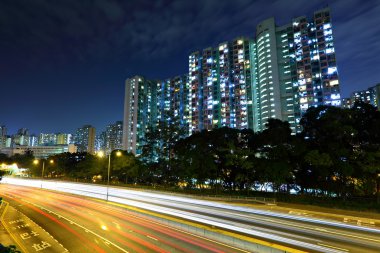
317,235
84,225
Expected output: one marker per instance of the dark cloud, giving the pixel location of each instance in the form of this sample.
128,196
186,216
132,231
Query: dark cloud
81,46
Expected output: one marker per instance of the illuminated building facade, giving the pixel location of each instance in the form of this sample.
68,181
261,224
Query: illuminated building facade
84,139
173,101
221,81
63,139
47,139
3,136
370,96
147,102
196,92
297,68
346,103
111,138
39,151
140,111
244,82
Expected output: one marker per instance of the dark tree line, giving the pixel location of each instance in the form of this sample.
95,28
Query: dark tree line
336,155
81,166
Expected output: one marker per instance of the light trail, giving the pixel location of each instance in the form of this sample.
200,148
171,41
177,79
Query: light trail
100,193
67,204
50,217
125,196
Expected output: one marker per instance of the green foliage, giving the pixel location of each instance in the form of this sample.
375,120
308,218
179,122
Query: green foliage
333,156
2,173
23,161
126,167
159,142
9,249
317,159
337,155
343,144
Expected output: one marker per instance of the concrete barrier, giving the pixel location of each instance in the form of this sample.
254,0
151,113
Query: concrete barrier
209,234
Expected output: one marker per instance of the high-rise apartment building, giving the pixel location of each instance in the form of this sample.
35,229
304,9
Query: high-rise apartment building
346,103
296,68
100,140
370,96
63,139
3,136
20,138
47,139
147,102
220,80
173,96
33,140
140,111
84,139
242,83
111,138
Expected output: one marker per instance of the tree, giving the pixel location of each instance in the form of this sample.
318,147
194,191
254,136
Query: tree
231,151
2,173
157,150
272,150
369,163
88,166
127,166
330,130
197,158
366,121
23,160
4,158
9,249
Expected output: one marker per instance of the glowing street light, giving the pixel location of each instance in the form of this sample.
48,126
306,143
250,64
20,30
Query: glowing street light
101,155
36,161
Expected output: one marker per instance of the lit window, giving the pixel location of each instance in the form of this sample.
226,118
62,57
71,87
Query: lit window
331,70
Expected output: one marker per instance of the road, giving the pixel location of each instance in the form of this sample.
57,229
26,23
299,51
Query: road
84,225
312,234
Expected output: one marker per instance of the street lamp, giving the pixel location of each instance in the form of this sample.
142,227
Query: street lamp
36,161
101,154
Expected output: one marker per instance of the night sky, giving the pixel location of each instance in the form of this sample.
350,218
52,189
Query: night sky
63,63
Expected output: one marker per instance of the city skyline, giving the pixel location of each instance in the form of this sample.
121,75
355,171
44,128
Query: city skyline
242,83
92,60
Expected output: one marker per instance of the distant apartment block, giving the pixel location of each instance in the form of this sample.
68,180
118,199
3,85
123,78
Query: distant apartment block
242,83
140,111
47,139
111,138
346,103
3,136
63,138
370,96
39,151
84,139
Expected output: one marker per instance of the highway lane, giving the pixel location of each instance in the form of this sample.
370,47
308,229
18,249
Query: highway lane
353,241
83,225
29,236
316,234
284,225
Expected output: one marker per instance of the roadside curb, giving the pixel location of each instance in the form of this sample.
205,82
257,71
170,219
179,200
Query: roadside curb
20,245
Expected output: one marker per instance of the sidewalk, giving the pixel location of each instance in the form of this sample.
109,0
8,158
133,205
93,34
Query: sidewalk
5,238
29,236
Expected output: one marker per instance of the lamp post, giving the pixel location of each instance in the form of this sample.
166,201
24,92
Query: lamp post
101,154
378,189
36,161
